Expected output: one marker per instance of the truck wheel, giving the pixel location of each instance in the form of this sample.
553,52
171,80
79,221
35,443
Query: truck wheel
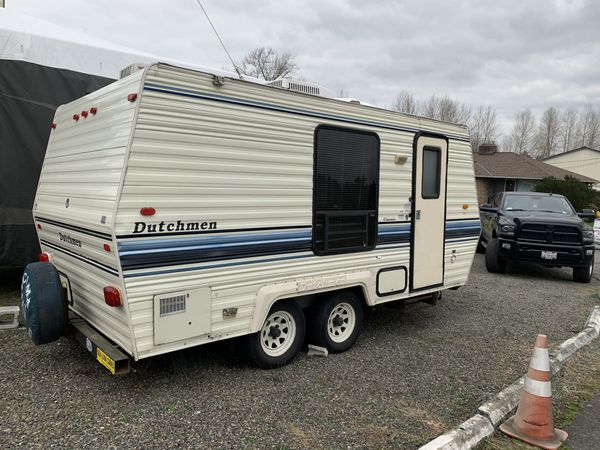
44,309
493,262
583,274
480,247
337,321
280,337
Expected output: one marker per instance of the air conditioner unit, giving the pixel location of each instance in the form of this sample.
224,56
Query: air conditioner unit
300,86
131,69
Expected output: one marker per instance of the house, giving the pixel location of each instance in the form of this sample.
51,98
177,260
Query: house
582,160
507,171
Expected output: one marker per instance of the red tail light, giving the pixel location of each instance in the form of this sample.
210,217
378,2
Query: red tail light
112,296
131,97
75,117
93,110
53,126
147,211
84,114
44,257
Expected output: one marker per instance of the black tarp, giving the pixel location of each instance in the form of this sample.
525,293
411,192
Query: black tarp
29,96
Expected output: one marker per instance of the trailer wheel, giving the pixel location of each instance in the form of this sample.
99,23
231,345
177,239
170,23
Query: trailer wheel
336,322
280,337
44,309
583,274
493,262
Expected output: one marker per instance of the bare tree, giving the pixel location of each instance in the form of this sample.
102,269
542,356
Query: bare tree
484,127
589,128
440,108
406,103
521,137
568,129
452,111
548,133
268,64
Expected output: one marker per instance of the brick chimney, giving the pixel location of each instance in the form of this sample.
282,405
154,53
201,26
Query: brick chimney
488,149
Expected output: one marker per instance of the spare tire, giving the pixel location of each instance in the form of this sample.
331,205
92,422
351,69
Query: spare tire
44,309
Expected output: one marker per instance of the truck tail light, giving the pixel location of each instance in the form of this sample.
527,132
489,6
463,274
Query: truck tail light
44,257
112,296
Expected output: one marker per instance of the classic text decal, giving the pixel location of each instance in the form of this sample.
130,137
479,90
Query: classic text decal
141,227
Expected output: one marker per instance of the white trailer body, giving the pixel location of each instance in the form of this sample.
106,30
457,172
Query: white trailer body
206,200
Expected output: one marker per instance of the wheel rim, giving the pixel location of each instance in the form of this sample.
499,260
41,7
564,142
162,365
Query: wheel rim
278,333
341,322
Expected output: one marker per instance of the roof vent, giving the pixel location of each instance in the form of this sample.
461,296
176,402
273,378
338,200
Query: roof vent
131,69
488,149
300,86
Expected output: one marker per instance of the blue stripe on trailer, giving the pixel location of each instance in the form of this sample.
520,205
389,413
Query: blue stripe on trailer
154,253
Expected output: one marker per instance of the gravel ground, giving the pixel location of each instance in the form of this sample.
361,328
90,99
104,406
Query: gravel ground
413,374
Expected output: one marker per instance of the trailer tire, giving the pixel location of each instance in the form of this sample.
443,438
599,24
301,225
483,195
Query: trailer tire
337,321
44,309
493,262
280,337
583,274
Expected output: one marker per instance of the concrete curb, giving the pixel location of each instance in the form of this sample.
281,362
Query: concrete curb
494,411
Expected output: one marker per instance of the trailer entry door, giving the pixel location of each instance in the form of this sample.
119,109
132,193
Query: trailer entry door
428,211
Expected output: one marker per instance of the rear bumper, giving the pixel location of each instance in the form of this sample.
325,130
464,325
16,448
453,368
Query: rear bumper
566,255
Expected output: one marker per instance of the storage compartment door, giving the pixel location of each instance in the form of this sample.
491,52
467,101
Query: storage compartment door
181,315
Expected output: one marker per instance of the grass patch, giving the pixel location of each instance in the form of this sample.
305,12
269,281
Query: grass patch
573,388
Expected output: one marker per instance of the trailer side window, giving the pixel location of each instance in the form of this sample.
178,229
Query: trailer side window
346,186
430,182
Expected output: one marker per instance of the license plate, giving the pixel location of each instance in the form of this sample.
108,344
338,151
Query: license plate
549,255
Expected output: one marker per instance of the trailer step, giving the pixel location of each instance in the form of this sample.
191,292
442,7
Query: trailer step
9,317
103,350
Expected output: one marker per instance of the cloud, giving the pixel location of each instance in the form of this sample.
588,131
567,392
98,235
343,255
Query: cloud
509,53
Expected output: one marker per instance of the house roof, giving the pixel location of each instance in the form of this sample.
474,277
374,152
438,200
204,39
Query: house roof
511,165
572,151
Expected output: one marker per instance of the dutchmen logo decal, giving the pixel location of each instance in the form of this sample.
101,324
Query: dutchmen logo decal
143,227
69,240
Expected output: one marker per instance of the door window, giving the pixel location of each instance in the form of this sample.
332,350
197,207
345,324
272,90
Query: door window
430,181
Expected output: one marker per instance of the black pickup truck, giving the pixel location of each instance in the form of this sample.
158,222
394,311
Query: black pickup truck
536,227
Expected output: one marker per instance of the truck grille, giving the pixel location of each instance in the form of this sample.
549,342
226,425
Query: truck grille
557,234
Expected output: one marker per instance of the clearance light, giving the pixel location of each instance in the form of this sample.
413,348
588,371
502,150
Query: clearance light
106,247
465,206
53,126
84,114
112,296
93,110
44,257
147,211
131,97
39,225
75,117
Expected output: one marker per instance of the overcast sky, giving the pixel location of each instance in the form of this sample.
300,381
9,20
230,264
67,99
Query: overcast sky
512,54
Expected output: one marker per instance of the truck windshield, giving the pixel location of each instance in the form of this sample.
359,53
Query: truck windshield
540,203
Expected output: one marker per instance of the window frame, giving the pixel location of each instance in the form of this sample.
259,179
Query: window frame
438,175
314,191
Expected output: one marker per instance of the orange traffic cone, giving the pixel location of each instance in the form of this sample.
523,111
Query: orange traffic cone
533,422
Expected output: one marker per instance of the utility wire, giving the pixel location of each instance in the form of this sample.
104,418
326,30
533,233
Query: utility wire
220,40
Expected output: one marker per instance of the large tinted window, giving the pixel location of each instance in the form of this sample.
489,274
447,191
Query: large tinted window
345,190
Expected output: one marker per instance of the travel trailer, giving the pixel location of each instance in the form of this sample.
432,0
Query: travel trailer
179,207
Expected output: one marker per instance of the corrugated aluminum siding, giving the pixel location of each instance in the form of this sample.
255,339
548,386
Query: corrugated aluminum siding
84,163
197,159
